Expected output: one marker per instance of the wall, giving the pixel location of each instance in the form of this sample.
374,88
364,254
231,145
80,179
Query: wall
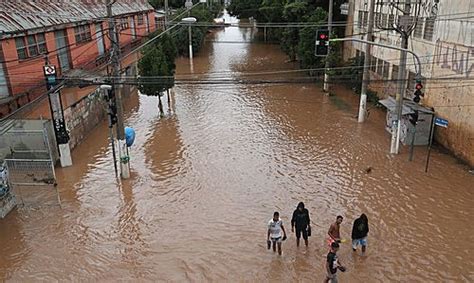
447,63
83,116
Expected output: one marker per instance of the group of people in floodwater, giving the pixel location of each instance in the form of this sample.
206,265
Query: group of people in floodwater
300,224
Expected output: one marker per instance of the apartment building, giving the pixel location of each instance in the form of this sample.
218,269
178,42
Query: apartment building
443,39
70,34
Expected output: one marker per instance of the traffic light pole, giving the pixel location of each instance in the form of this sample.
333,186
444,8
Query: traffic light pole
326,76
122,146
365,75
401,78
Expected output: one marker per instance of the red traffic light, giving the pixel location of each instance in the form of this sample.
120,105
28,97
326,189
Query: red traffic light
323,36
418,86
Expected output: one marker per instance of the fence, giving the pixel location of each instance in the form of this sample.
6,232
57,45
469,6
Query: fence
30,153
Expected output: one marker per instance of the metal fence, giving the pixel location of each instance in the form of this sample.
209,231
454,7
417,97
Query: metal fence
29,151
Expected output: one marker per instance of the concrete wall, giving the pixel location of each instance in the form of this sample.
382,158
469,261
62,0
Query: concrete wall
447,62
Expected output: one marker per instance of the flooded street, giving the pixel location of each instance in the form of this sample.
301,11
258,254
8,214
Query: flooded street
208,176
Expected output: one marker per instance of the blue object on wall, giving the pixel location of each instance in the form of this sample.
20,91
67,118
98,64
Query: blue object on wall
129,136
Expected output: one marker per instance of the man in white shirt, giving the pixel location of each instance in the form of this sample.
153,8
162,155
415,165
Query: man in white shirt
274,234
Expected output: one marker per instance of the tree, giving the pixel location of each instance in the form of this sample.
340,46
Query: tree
245,8
292,12
306,47
156,74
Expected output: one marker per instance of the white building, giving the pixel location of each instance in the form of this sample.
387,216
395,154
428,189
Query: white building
443,39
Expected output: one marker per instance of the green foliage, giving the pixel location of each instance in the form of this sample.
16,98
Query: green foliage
157,66
202,14
307,39
245,8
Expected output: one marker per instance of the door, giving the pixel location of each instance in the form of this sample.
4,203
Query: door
100,39
63,50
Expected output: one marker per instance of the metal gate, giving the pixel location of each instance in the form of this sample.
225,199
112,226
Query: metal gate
30,161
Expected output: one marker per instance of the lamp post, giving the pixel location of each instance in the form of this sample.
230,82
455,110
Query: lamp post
189,21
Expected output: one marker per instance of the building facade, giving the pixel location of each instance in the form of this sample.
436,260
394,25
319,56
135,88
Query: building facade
69,34
443,39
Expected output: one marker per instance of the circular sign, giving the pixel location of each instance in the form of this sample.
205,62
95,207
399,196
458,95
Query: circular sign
49,70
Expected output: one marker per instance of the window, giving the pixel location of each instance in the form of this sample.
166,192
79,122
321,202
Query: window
394,72
411,81
384,22
30,46
429,27
419,28
360,19
147,23
124,23
373,64
391,20
377,20
386,69
380,67
82,33
140,19
365,19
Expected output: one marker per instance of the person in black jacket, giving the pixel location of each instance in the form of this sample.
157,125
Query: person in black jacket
300,221
359,232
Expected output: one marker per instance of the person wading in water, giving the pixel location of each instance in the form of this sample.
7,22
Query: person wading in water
274,233
360,229
334,235
301,222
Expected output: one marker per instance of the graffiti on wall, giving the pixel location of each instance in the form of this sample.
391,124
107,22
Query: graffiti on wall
455,57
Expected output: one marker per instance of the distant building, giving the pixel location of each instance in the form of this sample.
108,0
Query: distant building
444,41
70,34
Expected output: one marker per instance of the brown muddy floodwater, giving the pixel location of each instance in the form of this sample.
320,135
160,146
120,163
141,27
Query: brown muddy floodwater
207,177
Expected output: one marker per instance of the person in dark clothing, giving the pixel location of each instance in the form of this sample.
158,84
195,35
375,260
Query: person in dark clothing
359,232
301,222
333,264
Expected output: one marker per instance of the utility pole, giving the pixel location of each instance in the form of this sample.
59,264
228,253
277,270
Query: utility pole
326,76
122,146
405,33
365,76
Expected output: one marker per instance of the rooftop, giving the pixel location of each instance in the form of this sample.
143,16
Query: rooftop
17,16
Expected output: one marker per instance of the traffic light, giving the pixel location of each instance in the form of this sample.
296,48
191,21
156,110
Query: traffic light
414,118
418,92
322,43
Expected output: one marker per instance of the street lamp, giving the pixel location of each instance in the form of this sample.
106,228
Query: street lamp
189,21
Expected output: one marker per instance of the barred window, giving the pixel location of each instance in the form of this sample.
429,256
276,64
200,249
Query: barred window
391,20
30,46
419,28
140,19
360,18
82,33
384,20
394,72
380,67
386,69
124,23
429,27
373,64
